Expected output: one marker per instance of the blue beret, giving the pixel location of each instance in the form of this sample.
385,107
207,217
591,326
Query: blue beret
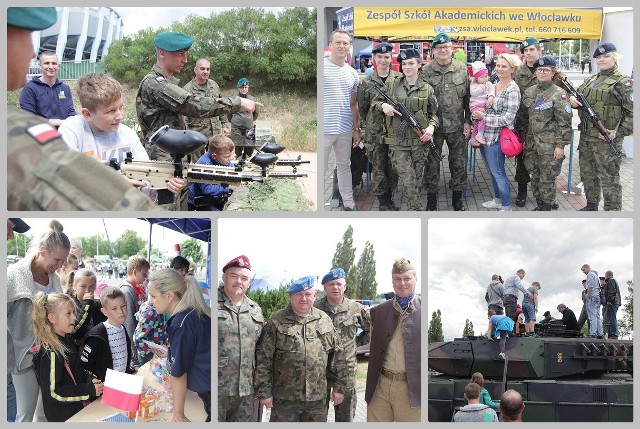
301,284
440,38
545,61
603,49
528,42
336,273
171,41
204,285
408,54
382,48
31,18
242,82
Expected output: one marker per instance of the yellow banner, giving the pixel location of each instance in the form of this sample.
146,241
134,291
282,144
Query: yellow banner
491,24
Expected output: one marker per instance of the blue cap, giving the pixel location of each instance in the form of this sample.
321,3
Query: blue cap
335,273
604,48
242,82
301,284
204,285
382,48
31,18
545,61
172,41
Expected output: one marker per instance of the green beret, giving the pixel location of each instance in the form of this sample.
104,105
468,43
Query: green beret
171,41
242,82
528,42
31,18
440,39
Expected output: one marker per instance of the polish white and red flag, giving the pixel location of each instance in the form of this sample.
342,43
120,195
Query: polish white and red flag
122,391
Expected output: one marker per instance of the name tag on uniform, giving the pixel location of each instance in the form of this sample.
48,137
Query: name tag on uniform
62,95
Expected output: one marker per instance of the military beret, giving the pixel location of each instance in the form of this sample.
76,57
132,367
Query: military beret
336,273
241,261
31,18
401,265
171,41
440,39
408,54
242,82
382,48
204,285
19,225
528,42
545,61
301,284
604,48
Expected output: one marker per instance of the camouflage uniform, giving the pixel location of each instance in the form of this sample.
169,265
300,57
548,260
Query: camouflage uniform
241,122
409,156
296,358
549,114
451,85
209,126
385,177
347,317
44,174
239,330
610,93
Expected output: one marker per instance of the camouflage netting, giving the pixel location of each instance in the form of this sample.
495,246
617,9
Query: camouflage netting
272,195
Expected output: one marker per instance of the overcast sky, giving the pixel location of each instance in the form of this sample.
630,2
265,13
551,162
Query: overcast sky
162,238
284,249
463,254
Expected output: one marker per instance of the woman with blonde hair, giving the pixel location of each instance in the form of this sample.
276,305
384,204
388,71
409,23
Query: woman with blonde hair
36,272
485,397
189,330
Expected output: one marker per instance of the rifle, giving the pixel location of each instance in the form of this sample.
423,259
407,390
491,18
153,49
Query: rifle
593,115
269,147
408,120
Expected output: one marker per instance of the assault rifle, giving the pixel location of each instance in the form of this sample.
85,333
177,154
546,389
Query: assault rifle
592,114
408,120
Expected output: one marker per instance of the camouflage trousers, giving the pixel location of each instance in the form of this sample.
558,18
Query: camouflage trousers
600,172
297,411
544,169
347,409
235,408
384,176
457,153
410,162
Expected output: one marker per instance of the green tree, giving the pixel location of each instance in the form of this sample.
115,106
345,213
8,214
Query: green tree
367,273
272,300
434,332
95,245
19,245
468,329
625,324
192,250
129,244
344,258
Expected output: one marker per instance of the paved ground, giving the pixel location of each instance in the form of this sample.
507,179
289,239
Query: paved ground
361,411
479,187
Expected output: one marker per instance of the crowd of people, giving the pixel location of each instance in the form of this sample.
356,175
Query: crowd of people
64,332
303,357
453,107
48,142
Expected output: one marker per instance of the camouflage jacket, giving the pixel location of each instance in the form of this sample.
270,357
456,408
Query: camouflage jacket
296,356
243,121
160,101
239,329
44,174
210,126
451,85
548,113
347,318
371,119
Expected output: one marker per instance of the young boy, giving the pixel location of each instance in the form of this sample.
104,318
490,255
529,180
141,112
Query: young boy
134,294
206,196
107,344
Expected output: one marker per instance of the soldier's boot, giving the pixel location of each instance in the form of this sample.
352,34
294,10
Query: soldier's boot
590,207
554,205
432,201
456,201
543,207
388,197
384,203
521,198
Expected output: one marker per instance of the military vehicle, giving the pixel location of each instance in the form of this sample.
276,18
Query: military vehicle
560,378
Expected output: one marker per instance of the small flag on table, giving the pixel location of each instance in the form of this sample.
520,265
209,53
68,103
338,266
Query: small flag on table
122,391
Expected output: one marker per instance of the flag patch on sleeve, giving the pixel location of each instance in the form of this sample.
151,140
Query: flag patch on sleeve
43,133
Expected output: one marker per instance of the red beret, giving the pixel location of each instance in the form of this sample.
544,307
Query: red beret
241,261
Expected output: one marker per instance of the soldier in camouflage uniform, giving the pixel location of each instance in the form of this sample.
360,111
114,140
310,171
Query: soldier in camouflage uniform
348,316
242,122
549,114
450,81
299,352
42,172
385,177
409,154
610,94
240,322
203,86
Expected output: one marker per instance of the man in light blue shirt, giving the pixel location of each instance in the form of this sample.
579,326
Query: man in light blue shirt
511,287
593,302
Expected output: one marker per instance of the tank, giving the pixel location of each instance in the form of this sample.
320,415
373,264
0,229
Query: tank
560,379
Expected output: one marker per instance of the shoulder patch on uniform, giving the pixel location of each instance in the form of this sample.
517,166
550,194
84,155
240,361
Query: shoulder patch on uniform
567,108
160,79
43,133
